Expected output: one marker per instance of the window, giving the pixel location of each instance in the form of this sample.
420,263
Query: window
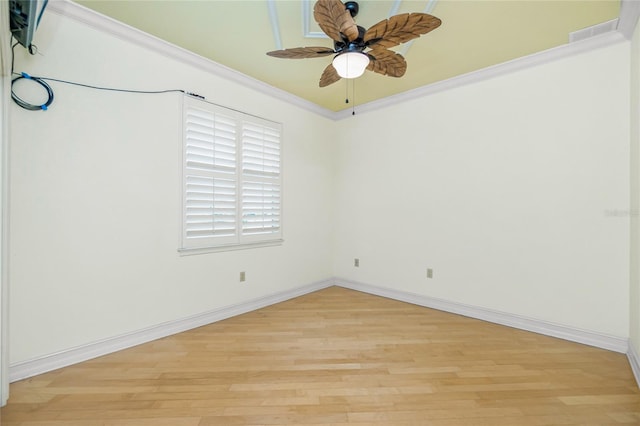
232,178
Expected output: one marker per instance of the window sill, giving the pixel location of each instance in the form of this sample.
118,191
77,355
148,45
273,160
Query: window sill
230,247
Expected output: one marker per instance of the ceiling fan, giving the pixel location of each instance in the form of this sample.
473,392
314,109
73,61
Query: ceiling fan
350,41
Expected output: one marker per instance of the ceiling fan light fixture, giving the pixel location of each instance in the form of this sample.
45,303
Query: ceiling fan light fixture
351,64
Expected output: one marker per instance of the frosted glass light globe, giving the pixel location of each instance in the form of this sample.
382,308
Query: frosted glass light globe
350,64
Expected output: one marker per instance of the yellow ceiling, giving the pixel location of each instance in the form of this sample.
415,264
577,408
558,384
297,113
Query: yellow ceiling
474,34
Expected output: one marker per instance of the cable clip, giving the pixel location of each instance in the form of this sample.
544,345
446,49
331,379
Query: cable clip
195,95
25,75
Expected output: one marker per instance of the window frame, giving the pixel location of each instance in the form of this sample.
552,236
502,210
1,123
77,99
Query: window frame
264,169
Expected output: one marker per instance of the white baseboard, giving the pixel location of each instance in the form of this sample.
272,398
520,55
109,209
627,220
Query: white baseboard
634,360
30,368
612,343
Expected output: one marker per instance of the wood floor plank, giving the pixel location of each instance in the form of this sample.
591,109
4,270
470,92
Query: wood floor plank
338,357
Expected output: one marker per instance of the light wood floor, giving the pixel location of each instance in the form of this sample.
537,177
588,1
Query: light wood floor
338,357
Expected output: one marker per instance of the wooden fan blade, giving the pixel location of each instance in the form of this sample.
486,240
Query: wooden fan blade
301,52
387,62
334,19
400,29
329,76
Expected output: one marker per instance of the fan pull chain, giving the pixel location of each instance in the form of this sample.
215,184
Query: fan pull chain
353,96
346,91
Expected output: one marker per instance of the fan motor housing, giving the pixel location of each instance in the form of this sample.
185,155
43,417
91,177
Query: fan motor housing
357,45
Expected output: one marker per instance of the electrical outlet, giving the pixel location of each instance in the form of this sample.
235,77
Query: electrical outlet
429,273
242,276
356,262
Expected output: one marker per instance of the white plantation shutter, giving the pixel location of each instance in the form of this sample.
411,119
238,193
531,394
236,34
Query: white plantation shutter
210,193
260,208
210,141
210,207
260,149
260,199
231,178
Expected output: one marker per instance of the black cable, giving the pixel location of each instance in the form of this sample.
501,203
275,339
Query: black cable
13,55
112,89
41,81
31,107
22,103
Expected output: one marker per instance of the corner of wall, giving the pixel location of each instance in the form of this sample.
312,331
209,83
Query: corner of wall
634,273
629,14
5,89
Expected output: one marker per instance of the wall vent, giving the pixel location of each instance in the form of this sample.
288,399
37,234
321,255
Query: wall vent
593,30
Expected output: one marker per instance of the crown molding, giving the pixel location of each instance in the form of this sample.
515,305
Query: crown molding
629,15
126,32
629,12
508,67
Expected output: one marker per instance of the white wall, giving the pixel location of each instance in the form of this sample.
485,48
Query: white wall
95,194
515,190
